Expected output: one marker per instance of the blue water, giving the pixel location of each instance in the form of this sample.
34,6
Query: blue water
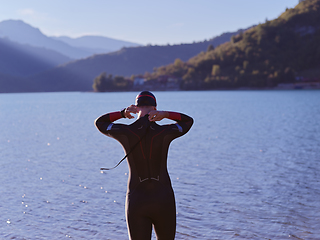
248,169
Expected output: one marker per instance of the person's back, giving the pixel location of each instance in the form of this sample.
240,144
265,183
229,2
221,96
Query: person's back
150,198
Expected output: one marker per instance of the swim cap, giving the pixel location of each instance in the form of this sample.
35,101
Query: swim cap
146,98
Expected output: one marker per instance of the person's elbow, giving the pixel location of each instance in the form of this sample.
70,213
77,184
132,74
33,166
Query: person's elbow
190,122
188,125
98,124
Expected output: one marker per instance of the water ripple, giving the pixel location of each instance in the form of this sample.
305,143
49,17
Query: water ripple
248,169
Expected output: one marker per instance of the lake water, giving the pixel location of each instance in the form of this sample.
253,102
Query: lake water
248,169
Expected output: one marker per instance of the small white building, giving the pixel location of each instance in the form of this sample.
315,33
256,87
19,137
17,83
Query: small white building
138,81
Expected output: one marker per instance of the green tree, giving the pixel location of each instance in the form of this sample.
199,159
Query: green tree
102,83
233,39
120,83
215,70
245,64
210,48
99,83
178,62
191,73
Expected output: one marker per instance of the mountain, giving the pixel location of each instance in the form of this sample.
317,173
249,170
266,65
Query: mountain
279,51
78,75
23,60
75,48
20,32
96,44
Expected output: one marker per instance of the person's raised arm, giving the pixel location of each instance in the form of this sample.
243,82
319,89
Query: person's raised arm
182,120
104,121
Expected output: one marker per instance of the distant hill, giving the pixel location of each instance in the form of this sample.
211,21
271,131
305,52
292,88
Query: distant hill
10,84
275,52
21,32
78,75
96,44
23,60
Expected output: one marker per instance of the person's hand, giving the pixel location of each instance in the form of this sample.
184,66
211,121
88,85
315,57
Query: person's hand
129,110
155,115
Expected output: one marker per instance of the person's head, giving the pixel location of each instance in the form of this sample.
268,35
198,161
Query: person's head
146,101
146,98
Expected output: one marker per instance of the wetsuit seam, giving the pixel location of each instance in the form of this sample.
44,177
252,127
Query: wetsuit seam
147,160
152,142
140,142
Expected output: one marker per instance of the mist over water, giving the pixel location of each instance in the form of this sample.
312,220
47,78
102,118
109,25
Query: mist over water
248,168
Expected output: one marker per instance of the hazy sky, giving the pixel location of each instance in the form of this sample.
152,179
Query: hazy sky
143,21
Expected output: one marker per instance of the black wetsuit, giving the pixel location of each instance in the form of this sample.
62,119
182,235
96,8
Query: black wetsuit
150,198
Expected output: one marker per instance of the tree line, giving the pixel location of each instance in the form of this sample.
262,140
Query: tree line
104,83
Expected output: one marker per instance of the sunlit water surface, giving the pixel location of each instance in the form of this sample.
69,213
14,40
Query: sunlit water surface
248,169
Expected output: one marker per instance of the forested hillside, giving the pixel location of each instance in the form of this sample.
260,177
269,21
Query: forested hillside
274,52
